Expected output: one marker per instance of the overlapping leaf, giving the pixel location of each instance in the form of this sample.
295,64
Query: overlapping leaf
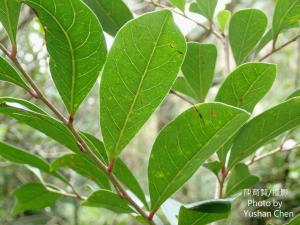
27,113
33,196
9,17
9,74
246,28
186,143
108,200
141,68
199,66
76,46
223,17
180,4
83,166
264,128
181,85
286,14
112,14
247,85
204,7
205,212
121,171
239,179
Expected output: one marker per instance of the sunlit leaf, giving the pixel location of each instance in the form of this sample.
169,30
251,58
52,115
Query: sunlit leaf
223,19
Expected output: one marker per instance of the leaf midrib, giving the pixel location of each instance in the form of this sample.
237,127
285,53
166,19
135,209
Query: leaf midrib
71,109
139,87
188,163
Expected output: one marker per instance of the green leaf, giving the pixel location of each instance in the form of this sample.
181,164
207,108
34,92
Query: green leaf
26,113
33,196
96,146
181,85
22,104
9,17
239,179
294,94
223,19
264,128
286,14
9,74
205,8
20,156
199,66
108,200
140,70
294,221
180,4
121,171
247,85
193,137
214,167
223,151
112,14
84,166
268,36
246,28
76,46
205,212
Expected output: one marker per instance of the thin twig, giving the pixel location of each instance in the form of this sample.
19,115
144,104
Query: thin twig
268,154
182,97
279,48
187,17
84,147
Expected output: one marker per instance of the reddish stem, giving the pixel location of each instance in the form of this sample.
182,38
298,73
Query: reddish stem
151,215
111,165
